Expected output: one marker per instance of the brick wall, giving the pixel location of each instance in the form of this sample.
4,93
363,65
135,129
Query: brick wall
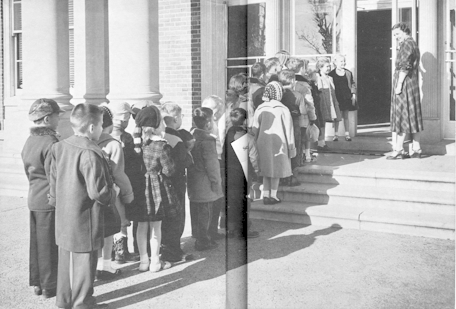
180,54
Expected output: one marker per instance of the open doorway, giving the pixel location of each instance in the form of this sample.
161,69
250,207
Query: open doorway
374,68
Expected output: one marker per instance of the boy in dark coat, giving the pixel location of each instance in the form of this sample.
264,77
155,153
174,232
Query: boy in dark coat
45,114
80,189
204,180
173,227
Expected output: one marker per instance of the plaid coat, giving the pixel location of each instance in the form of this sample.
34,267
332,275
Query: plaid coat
161,199
406,107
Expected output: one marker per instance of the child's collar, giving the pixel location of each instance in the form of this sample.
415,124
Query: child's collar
40,131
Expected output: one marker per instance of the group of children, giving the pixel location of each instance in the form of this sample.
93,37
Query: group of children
88,188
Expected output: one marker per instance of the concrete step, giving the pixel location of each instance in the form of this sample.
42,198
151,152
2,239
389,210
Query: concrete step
431,202
381,144
406,179
358,217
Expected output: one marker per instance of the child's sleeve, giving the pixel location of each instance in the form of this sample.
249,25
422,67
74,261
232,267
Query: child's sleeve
212,166
182,155
51,177
118,171
253,154
96,175
166,161
352,83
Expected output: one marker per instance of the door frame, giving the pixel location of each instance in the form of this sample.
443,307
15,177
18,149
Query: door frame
448,126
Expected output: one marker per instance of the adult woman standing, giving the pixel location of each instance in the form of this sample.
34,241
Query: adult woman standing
405,98
274,135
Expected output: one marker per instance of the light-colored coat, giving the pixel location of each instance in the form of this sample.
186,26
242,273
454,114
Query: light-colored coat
274,134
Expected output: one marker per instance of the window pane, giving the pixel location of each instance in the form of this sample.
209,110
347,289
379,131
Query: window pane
19,75
314,27
71,35
70,13
17,14
19,46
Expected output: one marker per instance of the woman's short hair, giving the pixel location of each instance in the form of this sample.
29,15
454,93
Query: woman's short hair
238,116
296,64
286,77
321,62
338,57
271,62
403,27
202,116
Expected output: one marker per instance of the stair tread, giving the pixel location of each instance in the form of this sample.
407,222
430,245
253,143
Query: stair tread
363,172
361,214
359,191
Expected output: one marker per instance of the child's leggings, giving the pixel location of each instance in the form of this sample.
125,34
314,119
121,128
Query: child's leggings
155,242
270,184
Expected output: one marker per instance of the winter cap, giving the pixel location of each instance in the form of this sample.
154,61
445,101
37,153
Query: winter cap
120,110
273,91
42,108
107,115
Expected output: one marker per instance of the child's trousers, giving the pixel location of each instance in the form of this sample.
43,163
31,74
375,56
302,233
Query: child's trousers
43,250
173,228
75,279
205,210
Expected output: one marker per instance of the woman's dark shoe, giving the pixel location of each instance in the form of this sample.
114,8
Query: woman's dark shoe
48,293
416,155
275,200
323,148
107,275
266,201
37,290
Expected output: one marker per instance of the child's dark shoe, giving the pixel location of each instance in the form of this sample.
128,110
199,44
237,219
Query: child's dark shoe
107,275
37,290
48,293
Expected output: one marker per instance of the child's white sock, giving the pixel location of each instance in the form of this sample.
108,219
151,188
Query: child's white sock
347,133
274,194
307,153
107,266
265,194
100,263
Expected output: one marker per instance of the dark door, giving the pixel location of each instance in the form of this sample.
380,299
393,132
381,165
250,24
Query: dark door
374,66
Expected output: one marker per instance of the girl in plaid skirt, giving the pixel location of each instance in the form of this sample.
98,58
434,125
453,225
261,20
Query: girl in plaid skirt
159,192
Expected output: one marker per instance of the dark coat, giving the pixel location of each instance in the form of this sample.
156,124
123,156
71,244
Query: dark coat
204,181
36,158
80,189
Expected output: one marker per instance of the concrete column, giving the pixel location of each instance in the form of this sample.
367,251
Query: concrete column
133,50
45,53
90,53
273,27
431,98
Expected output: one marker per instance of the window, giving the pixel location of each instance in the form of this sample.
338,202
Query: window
316,28
17,43
71,35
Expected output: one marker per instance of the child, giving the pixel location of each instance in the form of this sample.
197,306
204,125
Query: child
114,153
173,227
308,116
218,131
204,181
237,183
81,189
273,68
345,91
256,89
329,105
283,57
45,114
160,195
294,101
274,136
134,169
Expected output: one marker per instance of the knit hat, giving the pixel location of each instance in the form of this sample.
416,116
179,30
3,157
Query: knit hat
149,116
107,115
273,91
42,108
120,110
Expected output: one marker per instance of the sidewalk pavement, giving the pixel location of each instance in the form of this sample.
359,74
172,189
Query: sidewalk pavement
289,266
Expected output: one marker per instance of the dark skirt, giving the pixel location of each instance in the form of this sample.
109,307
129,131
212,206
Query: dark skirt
111,221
